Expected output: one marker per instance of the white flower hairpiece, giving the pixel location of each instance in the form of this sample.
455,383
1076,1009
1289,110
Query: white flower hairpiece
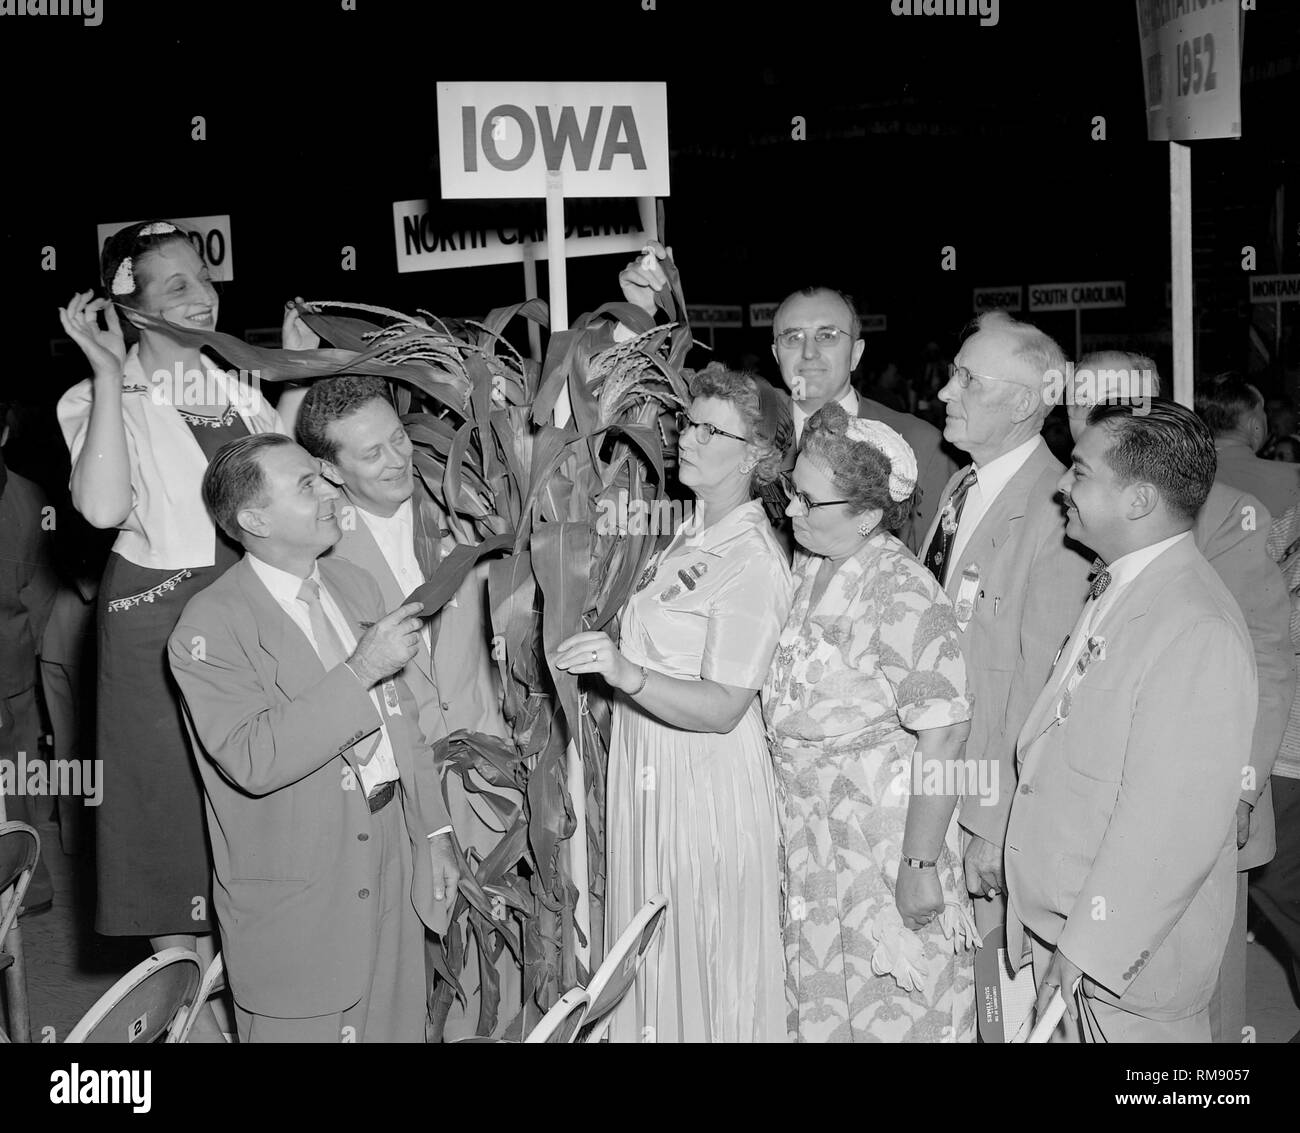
902,461
124,279
158,228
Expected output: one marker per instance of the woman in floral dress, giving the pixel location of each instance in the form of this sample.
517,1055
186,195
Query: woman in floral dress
867,715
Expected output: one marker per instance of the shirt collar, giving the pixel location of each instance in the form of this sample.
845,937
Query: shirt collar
996,474
734,523
1127,567
400,519
283,585
849,401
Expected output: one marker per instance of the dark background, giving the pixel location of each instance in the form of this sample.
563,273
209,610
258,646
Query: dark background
921,132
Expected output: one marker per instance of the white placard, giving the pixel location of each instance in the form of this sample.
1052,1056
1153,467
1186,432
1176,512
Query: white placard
1191,68
997,299
607,139
210,236
1077,296
762,314
715,315
1275,288
422,245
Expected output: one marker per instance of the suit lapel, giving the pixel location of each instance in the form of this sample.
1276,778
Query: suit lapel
1131,607
358,546
997,524
296,665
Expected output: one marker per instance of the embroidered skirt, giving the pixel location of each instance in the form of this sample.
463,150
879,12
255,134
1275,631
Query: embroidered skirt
154,868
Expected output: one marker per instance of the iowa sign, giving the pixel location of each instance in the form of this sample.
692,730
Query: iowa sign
606,139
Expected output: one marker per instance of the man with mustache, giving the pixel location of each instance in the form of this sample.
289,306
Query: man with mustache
329,836
1121,852
393,530
1232,532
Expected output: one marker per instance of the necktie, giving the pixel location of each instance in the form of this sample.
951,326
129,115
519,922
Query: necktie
1100,581
328,645
331,652
936,555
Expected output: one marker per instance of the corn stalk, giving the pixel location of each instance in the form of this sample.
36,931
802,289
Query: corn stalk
549,507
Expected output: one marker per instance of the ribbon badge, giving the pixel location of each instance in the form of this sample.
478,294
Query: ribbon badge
1095,650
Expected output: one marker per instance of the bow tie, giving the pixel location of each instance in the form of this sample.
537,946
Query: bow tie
1100,581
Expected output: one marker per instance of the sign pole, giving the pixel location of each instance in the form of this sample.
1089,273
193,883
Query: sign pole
530,292
576,778
645,207
1180,236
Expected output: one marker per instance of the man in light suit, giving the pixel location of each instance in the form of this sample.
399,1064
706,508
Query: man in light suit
1121,852
391,528
1231,531
998,548
329,837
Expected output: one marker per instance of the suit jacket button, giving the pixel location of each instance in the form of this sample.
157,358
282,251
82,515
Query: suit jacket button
363,837
445,706
1025,789
363,893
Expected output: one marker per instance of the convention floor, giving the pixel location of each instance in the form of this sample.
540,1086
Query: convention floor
69,966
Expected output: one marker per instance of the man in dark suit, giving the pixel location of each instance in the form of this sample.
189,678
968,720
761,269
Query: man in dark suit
817,342
328,830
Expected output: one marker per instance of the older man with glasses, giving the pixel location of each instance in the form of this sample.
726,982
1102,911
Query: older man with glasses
999,550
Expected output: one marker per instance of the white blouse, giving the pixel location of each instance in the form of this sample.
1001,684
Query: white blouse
168,527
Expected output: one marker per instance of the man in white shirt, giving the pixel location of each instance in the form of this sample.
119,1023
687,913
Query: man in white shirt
998,548
329,838
390,523
1121,852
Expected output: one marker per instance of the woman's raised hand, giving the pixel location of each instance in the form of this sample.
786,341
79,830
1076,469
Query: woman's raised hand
296,334
105,349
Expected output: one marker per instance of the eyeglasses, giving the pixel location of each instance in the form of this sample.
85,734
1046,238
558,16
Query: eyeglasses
805,502
704,430
822,336
963,375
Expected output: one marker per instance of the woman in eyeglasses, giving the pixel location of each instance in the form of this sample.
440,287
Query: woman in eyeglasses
867,710
691,805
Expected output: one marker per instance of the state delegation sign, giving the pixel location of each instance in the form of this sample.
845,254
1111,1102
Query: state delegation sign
1191,68
499,139
1077,296
1275,288
429,238
210,236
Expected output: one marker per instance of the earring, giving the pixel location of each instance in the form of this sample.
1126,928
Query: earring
864,528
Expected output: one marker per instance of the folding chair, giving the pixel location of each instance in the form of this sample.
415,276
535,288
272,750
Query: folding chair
615,977
145,1004
20,846
563,1021
207,985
